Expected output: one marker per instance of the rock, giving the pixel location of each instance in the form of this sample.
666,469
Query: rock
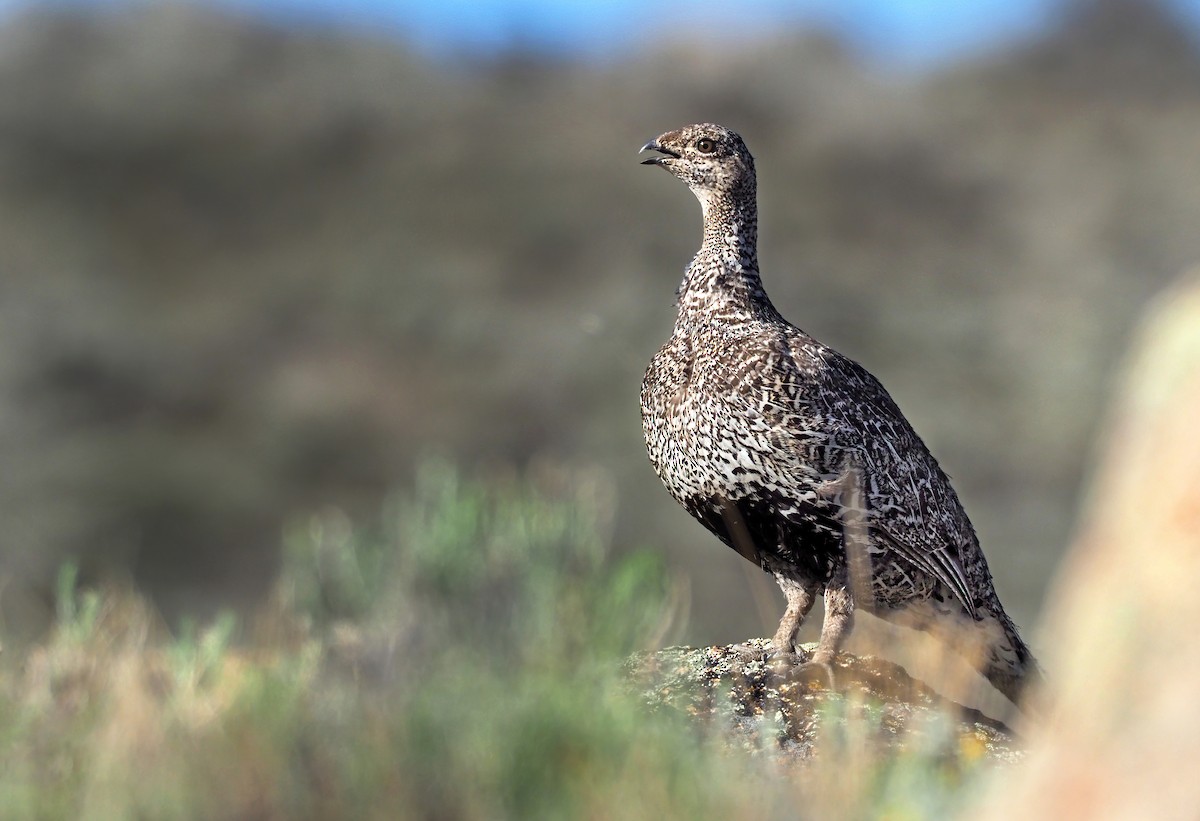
1122,736
760,708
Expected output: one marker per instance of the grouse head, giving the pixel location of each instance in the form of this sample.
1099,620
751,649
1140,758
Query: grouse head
711,159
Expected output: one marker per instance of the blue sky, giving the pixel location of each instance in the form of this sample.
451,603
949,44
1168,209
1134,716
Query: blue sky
904,25
904,31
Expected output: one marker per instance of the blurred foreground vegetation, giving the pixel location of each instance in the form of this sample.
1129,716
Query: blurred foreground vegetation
459,659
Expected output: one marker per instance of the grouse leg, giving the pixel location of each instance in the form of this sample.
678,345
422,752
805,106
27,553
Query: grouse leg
781,652
839,619
800,600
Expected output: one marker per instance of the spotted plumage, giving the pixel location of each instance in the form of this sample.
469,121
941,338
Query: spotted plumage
796,456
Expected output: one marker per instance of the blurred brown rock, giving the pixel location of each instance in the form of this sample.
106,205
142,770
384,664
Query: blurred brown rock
1122,738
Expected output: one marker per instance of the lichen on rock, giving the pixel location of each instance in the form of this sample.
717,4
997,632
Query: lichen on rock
766,707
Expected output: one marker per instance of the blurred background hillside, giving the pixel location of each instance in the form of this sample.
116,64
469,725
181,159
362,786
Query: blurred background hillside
256,265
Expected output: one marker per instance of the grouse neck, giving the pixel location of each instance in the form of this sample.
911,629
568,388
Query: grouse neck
724,274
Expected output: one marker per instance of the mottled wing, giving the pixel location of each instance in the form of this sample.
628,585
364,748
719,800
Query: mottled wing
841,417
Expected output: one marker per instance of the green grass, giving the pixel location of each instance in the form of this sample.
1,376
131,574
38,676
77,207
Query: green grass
459,659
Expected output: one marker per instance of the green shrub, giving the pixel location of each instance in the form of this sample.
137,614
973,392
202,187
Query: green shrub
459,659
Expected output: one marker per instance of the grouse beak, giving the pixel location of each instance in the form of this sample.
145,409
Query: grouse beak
655,145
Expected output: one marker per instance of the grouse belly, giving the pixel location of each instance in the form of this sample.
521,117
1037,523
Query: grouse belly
723,471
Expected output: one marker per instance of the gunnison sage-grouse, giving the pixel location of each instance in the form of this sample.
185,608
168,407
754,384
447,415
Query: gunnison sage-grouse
796,456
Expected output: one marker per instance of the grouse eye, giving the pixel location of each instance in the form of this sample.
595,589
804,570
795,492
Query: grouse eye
705,146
